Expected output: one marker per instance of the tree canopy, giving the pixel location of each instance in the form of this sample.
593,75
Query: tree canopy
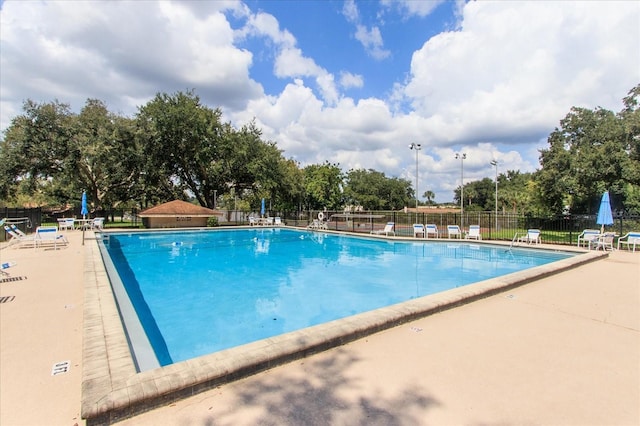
592,151
177,148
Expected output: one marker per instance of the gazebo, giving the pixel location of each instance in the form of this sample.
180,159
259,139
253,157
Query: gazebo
177,214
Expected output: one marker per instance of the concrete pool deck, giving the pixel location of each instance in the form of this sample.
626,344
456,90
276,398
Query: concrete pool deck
564,349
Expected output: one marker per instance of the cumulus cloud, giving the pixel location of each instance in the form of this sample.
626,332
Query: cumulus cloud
412,7
349,80
370,38
519,67
493,88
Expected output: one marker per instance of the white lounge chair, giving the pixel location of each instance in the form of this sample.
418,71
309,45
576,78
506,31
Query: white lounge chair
630,239
48,235
253,221
17,230
474,233
454,231
19,239
587,237
388,229
419,231
98,223
277,221
66,223
432,230
531,237
605,241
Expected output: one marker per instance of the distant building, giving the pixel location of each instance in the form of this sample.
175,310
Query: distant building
177,214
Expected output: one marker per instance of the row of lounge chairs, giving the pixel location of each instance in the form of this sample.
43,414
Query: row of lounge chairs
430,230
265,221
593,238
45,236
70,223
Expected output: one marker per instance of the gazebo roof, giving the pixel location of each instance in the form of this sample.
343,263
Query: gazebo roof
179,208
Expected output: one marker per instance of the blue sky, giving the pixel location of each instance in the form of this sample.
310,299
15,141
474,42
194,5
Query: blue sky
350,82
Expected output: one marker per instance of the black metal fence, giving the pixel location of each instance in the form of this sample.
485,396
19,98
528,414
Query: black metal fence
503,226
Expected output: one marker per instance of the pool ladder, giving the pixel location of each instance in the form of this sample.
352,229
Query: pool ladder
513,240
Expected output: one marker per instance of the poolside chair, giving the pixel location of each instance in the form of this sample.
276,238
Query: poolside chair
98,223
315,224
253,221
17,230
388,229
474,233
48,235
531,237
418,230
66,223
432,229
454,231
630,239
19,239
277,221
605,241
587,237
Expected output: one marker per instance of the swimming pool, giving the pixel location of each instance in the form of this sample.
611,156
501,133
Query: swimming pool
195,293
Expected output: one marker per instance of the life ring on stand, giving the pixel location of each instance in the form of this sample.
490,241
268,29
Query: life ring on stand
321,216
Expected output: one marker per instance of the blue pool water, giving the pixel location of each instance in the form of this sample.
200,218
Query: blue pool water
200,292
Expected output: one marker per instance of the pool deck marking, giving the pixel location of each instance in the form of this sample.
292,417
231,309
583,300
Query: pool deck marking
112,389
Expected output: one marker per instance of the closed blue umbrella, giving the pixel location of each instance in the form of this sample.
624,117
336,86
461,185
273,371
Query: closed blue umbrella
84,210
605,217
262,208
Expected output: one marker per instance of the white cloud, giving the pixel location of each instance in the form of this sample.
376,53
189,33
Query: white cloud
494,88
412,7
349,80
371,39
520,66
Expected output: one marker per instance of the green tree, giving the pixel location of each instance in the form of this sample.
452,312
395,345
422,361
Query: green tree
53,152
34,148
374,191
102,157
182,138
192,153
514,192
588,154
430,196
323,185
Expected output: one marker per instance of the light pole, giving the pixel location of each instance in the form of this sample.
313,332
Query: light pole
417,147
461,157
495,164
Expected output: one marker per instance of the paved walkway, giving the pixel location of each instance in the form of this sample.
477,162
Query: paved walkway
564,350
